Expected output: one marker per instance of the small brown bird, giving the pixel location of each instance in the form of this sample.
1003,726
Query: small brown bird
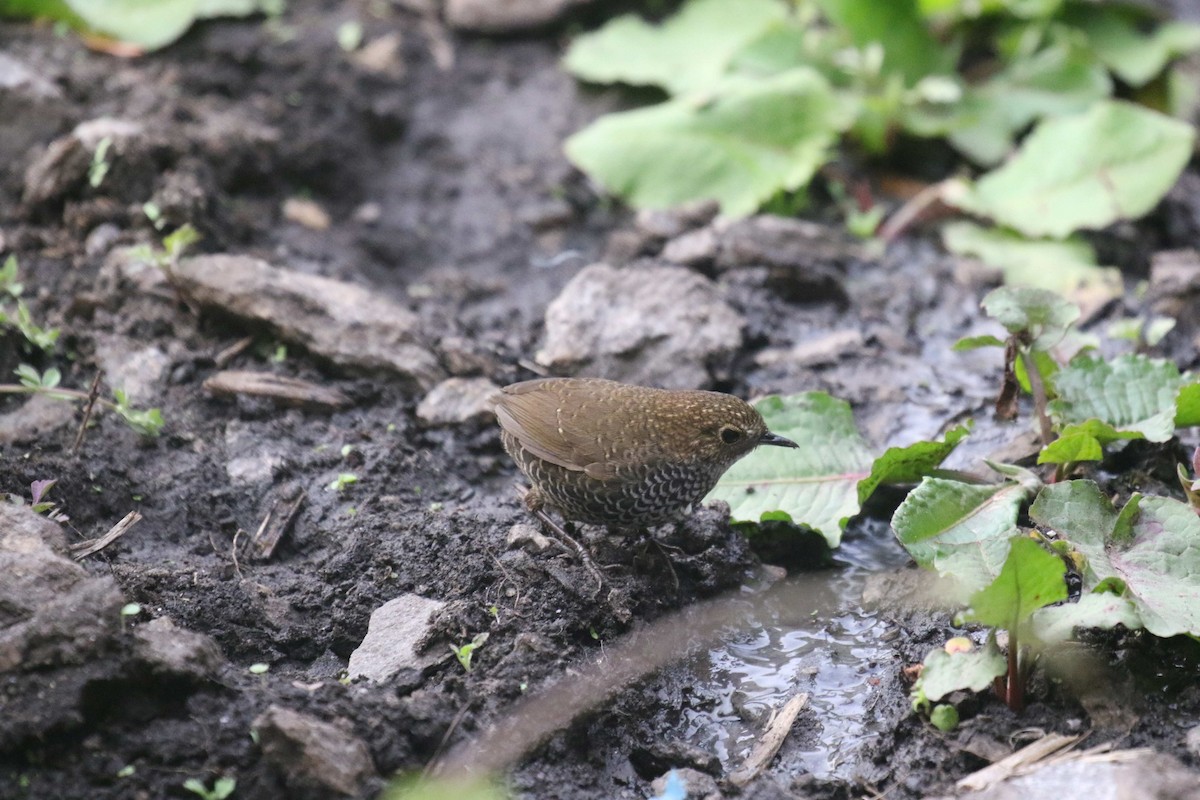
626,456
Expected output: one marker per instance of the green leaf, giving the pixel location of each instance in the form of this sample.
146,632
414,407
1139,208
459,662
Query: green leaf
1130,393
691,50
976,342
1115,35
896,25
910,464
740,144
815,485
962,531
1067,267
945,673
1103,610
1115,161
1155,554
1056,81
1187,406
1031,578
155,23
1042,314
944,717
1083,441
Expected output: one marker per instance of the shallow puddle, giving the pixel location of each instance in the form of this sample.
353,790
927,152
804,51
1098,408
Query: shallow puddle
825,645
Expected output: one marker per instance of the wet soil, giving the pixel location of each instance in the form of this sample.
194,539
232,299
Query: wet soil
443,175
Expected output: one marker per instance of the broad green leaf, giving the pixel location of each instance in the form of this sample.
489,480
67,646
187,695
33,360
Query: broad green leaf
1187,406
1130,393
815,485
1031,578
149,23
944,673
1067,267
1083,441
153,24
739,145
1056,81
1158,558
1094,610
1116,35
962,531
690,50
910,464
896,25
1043,314
1079,512
783,45
1114,161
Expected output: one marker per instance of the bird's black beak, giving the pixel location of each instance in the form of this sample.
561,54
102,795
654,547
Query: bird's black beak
776,439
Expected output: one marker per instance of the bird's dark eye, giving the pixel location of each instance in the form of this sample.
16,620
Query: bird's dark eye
730,435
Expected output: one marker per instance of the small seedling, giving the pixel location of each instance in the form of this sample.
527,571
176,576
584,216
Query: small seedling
259,669
342,482
126,771
221,789
100,164
464,652
128,611
38,490
174,244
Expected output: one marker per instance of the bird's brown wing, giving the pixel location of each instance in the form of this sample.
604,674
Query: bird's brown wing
531,412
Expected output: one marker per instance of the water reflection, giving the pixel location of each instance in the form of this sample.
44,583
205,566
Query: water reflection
825,645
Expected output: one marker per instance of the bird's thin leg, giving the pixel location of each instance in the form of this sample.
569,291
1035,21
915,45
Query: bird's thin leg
565,540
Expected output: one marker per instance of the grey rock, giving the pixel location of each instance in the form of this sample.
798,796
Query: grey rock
1192,740
1121,775
313,757
52,612
347,324
139,372
394,637
654,325
804,261
252,457
505,16
36,418
456,401
525,535
176,652
32,110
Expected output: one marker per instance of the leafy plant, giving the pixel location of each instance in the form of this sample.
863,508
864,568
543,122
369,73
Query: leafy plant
342,482
174,245
22,320
824,483
38,502
1134,569
464,652
760,92
147,422
1087,403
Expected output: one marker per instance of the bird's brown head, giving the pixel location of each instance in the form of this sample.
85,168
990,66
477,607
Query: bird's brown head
723,428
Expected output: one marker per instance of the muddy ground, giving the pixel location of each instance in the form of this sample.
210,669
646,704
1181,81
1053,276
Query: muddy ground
438,162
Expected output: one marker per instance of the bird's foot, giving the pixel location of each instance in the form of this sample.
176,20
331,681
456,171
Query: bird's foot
532,500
